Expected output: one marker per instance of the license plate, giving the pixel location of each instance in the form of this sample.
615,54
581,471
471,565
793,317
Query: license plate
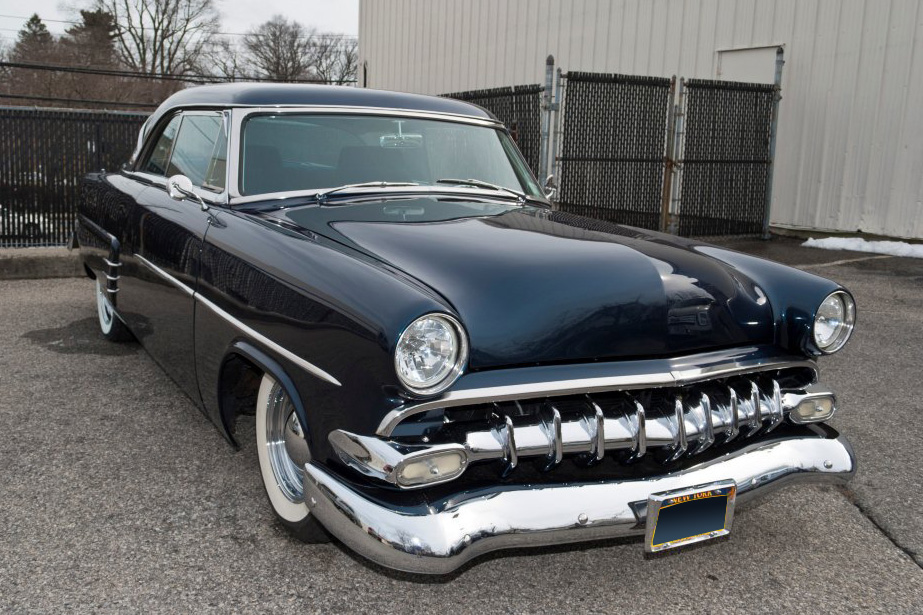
689,515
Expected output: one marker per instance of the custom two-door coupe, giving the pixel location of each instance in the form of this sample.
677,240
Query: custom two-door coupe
439,363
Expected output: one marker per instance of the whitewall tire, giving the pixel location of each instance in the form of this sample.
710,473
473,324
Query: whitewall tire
282,449
112,328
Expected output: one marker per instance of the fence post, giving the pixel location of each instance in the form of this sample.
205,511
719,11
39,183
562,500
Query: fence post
773,127
546,119
678,153
556,136
669,157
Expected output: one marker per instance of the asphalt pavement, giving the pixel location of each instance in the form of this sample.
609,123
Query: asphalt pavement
116,494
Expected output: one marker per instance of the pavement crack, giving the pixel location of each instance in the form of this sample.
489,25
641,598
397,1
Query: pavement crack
867,513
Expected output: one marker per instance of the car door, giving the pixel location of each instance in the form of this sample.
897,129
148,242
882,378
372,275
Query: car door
165,238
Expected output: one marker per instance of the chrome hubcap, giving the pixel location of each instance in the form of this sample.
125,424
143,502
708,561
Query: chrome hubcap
288,449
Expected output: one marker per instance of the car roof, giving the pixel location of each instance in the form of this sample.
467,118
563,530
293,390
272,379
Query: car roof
289,94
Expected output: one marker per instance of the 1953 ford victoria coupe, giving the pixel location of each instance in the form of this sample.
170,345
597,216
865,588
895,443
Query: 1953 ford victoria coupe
439,363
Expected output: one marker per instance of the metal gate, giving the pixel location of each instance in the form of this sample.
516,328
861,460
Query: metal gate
725,158
519,108
612,152
44,153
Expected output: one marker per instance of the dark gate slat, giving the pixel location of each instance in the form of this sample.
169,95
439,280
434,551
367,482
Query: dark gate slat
612,154
726,158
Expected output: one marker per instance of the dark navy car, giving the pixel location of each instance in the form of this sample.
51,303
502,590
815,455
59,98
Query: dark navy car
440,363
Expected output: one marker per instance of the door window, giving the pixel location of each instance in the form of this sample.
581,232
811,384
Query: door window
157,161
200,152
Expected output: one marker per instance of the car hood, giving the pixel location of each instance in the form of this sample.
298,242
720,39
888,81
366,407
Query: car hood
536,287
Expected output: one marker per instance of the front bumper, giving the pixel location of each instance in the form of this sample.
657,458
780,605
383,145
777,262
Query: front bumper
441,538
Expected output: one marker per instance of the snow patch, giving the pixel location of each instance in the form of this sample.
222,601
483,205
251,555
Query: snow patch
857,244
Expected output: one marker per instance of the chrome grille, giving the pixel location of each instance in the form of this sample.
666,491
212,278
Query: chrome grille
666,423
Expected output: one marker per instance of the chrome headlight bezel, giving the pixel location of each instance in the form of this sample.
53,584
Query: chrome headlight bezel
844,331
449,375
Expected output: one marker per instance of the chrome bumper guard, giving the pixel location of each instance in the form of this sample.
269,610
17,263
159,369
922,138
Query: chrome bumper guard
441,538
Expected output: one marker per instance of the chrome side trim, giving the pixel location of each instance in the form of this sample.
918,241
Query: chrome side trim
262,339
558,388
248,331
166,276
439,537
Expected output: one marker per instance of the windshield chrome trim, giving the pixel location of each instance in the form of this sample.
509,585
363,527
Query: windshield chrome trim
493,195
239,114
329,109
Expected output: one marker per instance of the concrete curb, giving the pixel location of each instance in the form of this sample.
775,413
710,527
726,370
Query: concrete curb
30,263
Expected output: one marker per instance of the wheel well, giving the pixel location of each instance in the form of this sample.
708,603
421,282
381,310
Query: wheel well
238,386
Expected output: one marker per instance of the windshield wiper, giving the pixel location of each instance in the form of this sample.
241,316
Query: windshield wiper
322,195
477,183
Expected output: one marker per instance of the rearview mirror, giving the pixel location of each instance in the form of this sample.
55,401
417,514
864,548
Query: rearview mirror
549,188
401,141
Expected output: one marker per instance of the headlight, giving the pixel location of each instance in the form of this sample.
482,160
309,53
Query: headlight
431,353
834,322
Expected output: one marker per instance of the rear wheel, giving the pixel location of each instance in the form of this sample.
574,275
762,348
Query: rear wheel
283,451
110,326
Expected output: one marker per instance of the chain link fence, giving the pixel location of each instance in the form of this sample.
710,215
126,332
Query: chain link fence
725,158
44,153
610,165
630,152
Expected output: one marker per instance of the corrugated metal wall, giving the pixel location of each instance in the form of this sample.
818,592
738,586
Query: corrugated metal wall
850,149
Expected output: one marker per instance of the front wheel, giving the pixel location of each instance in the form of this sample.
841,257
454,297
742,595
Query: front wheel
283,451
110,326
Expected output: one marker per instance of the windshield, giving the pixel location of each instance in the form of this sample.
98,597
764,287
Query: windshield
281,153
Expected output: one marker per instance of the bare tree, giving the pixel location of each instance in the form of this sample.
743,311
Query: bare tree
225,58
163,37
280,50
335,58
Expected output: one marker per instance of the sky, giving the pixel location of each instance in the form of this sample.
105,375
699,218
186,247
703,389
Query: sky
340,16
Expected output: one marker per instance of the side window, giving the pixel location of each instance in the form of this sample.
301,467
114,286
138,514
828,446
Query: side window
200,151
218,162
157,161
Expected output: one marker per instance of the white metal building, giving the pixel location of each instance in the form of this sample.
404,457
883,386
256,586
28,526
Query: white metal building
850,144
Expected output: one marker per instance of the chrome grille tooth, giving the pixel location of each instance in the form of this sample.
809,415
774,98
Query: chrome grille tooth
512,456
734,426
640,431
754,418
595,422
551,425
502,428
679,436
707,427
775,404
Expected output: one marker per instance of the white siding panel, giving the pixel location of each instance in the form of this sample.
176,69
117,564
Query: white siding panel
850,143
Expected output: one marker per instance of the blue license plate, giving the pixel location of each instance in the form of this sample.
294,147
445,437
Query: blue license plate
689,515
